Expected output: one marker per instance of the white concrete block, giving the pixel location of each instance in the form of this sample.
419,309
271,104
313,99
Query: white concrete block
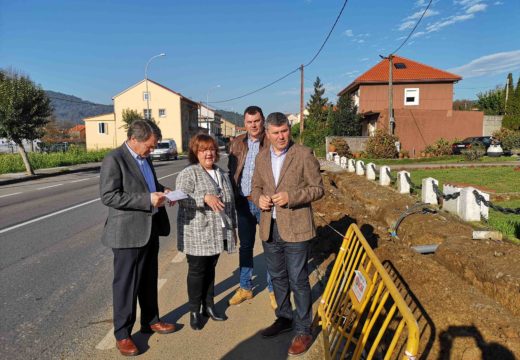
371,171
484,210
360,167
337,159
384,178
402,184
469,209
351,165
451,206
428,195
343,162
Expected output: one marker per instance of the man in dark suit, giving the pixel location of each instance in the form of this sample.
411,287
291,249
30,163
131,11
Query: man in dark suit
136,219
286,181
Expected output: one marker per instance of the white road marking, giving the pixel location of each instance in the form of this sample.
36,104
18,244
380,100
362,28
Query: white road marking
164,177
179,257
75,181
16,193
47,216
50,186
109,341
60,211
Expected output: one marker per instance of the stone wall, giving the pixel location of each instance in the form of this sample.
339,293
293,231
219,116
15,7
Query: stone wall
491,124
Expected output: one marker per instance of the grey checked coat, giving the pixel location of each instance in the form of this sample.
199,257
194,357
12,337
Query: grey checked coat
199,229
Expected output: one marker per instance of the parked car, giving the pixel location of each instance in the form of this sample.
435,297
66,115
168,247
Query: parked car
467,143
165,150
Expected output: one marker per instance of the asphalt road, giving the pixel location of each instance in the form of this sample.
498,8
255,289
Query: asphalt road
55,275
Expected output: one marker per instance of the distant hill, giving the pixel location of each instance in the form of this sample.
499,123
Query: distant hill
232,116
71,109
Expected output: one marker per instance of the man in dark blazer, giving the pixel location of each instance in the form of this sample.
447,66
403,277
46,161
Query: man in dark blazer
286,180
136,219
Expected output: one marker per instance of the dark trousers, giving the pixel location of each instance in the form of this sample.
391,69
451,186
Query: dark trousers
201,281
287,264
135,278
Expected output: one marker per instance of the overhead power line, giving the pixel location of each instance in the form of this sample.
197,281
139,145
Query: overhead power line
413,30
293,71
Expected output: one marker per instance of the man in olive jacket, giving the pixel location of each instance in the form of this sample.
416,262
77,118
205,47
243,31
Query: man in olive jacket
241,165
287,179
136,219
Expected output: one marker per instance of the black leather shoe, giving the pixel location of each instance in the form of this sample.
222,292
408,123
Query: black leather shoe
209,311
195,320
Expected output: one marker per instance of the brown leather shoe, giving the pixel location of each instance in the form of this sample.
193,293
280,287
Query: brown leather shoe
160,328
300,344
127,347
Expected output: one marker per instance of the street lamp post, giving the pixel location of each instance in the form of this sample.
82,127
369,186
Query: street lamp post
146,81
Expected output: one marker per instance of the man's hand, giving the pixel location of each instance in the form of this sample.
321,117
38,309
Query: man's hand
281,198
265,202
214,202
157,199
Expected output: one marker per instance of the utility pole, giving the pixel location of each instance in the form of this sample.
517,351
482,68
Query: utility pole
391,122
301,105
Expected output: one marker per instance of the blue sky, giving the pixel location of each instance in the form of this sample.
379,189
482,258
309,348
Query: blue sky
95,49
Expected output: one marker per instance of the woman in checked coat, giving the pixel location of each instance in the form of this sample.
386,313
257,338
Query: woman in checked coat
206,224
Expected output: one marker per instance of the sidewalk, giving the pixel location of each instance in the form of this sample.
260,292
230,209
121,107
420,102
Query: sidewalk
12,178
237,338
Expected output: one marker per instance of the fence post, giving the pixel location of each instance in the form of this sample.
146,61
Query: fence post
402,184
360,167
371,171
351,167
384,178
451,206
428,195
469,209
343,162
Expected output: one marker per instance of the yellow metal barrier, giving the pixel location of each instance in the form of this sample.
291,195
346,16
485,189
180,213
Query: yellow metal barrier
361,313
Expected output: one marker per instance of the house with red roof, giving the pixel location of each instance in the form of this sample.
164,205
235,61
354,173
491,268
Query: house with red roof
77,133
422,104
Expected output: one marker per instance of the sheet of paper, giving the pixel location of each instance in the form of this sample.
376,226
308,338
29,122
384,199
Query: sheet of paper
176,195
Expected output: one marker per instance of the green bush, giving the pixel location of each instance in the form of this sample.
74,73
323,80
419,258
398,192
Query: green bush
440,148
475,152
10,163
382,146
510,139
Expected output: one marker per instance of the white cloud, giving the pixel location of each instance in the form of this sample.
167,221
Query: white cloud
492,64
350,73
349,33
476,8
498,3
410,21
438,25
364,59
421,3
360,41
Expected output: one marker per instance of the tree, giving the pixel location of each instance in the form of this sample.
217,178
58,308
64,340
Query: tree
512,112
492,102
317,105
24,111
345,121
316,122
129,116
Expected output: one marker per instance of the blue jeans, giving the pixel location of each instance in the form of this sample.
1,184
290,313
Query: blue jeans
287,264
248,216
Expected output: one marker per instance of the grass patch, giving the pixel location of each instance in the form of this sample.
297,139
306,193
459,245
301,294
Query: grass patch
508,224
12,163
499,179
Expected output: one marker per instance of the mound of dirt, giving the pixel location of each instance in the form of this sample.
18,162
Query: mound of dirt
465,296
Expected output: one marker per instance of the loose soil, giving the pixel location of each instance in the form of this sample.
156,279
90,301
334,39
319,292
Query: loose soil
466,296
